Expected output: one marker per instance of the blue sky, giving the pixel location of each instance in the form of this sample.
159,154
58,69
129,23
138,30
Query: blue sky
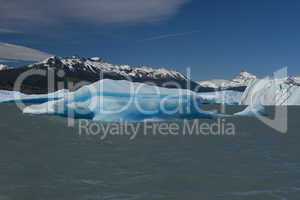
215,38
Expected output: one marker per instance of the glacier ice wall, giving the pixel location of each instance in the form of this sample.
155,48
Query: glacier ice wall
227,97
272,91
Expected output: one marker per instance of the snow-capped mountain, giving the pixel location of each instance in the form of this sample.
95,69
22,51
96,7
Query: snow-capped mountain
77,69
97,65
238,83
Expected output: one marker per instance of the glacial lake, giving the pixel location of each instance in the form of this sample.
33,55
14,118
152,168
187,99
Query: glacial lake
43,158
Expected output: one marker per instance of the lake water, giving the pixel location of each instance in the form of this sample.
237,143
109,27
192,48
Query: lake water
42,158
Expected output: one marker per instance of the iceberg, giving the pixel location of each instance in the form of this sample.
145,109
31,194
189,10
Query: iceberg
227,97
111,101
280,90
253,111
3,67
272,92
18,97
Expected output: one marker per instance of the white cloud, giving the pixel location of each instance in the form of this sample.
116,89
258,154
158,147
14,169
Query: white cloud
99,11
16,52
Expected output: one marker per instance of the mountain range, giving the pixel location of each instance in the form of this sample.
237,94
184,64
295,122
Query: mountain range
77,69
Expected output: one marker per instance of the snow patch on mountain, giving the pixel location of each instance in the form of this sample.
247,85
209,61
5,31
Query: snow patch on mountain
240,81
96,65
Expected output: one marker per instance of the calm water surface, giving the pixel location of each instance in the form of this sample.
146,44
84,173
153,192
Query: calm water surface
41,158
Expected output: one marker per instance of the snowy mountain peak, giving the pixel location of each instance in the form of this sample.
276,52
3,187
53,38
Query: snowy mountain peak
97,64
78,68
49,61
240,82
245,76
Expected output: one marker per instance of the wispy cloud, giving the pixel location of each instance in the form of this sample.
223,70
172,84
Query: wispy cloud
16,52
99,11
6,61
170,35
8,31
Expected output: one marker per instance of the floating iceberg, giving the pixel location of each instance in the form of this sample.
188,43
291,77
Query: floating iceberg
272,91
227,97
15,97
110,100
280,90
